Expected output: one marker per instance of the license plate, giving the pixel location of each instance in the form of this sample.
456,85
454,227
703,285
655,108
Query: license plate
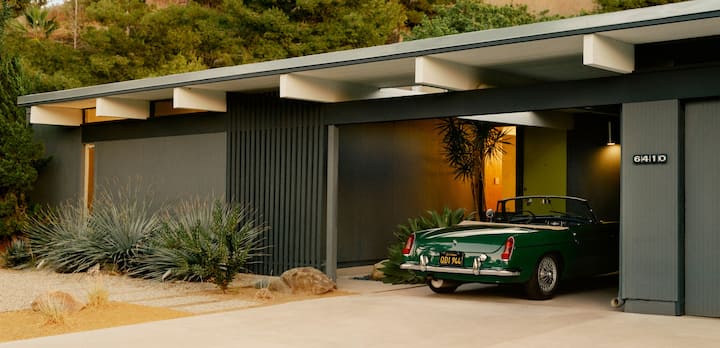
452,258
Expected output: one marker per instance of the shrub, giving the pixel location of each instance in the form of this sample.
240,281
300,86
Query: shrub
64,239
17,255
73,239
391,267
98,295
201,241
125,221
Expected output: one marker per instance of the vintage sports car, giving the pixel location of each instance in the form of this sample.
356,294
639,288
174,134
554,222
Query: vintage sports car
532,240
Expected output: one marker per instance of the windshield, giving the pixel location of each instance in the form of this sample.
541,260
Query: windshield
545,210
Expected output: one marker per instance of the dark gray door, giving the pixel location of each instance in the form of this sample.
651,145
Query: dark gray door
702,192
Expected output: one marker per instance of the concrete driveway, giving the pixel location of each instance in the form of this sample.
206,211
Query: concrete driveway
386,316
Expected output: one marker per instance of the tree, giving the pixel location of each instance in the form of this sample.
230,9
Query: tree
468,15
19,154
620,5
37,25
466,146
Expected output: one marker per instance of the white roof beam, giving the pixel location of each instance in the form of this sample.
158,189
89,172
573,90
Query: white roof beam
118,107
446,75
295,86
199,99
608,54
56,116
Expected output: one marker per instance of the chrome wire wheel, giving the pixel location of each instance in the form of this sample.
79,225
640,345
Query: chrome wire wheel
547,274
545,278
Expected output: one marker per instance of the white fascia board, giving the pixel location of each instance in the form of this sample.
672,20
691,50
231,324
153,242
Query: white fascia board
199,99
127,108
295,86
446,75
56,116
530,118
608,54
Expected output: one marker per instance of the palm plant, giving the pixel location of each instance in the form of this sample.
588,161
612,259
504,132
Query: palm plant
466,146
37,24
391,267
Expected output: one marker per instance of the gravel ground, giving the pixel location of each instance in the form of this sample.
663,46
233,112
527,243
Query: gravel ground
19,288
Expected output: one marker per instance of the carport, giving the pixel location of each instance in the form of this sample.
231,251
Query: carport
271,132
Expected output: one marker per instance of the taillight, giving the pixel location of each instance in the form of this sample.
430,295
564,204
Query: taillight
507,252
408,244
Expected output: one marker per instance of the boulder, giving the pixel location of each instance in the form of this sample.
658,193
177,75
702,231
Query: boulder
377,272
308,280
57,301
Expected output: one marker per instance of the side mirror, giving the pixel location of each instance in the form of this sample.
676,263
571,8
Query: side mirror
489,214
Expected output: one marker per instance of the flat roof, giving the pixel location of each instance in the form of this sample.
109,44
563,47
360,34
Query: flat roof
545,51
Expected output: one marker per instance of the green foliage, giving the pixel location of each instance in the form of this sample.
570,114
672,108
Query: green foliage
201,241
37,24
466,146
469,15
620,5
17,255
20,156
432,219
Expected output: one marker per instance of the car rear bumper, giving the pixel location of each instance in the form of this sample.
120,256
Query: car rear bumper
459,270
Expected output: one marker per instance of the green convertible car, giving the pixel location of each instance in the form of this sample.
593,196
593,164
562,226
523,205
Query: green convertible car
532,240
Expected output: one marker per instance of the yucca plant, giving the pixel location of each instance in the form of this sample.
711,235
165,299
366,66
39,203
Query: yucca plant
433,219
125,220
64,240
200,240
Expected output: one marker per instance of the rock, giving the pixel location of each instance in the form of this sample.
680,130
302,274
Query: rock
377,273
57,301
309,280
279,285
94,270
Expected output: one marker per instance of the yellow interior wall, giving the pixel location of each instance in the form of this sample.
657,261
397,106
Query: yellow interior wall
499,177
545,162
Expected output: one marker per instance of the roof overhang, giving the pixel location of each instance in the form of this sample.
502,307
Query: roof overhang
571,49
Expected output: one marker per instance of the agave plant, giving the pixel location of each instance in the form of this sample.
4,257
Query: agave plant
433,219
201,240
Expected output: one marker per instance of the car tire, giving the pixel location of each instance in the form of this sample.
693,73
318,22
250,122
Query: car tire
442,286
545,278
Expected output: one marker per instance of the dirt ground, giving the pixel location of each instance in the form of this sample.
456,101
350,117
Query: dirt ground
24,324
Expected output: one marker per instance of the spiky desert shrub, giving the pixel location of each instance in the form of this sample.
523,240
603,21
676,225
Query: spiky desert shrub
64,240
391,268
17,255
125,220
201,240
72,238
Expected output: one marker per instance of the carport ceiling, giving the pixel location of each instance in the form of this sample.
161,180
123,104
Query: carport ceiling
571,49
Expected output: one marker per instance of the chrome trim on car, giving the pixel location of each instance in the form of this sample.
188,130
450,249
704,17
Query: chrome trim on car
487,272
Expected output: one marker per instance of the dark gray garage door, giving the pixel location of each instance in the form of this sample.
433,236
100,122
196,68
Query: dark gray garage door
702,224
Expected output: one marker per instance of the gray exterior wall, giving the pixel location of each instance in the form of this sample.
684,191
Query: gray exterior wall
702,192
389,172
173,167
276,164
593,167
61,180
651,206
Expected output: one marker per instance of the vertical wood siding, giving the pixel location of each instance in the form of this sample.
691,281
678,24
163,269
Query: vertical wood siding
650,203
702,192
276,164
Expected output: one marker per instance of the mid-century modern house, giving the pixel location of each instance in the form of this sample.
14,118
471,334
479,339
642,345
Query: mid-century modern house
334,150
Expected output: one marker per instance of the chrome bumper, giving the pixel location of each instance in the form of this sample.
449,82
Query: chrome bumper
458,270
